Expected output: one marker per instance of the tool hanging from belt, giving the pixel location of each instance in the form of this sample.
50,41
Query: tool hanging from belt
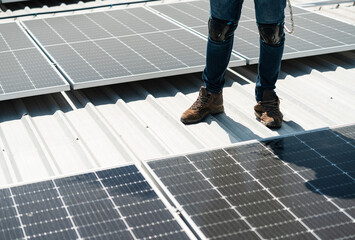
291,16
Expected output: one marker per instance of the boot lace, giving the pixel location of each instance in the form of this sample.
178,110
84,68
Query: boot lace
200,102
271,107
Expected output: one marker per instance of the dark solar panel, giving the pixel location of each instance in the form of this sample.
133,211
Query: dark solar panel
42,212
111,204
11,227
25,71
298,187
118,46
314,34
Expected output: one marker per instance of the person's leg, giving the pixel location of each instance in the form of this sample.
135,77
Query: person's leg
225,15
270,20
224,19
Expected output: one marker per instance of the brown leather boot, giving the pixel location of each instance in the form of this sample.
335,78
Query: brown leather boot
206,103
267,110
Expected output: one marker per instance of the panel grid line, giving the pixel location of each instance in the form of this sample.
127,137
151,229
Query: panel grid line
275,198
335,29
199,8
320,191
16,50
151,41
129,46
9,228
18,215
104,234
18,61
292,173
242,217
66,210
46,221
141,213
316,189
171,6
103,38
250,43
343,139
52,232
300,193
163,235
94,42
99,222
115,206
44,20
165,33
315,32
7,207
324,157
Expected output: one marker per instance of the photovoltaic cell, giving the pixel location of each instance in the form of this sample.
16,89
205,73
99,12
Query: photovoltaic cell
42,212
315,34
90,207
9,222
118,46
140,206
110,204
300,187
25,71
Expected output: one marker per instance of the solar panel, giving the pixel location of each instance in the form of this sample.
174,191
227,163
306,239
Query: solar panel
9,222
299,187
119,46
315,34
25,71
111,204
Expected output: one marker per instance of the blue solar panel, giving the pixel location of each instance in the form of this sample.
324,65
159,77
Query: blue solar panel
10,224
300,187
112,204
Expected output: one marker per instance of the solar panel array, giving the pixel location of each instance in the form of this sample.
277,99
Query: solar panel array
138,43
117,46
296,187
25,71
314,34
111,204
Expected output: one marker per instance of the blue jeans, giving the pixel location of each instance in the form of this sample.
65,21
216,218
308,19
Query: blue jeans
218,53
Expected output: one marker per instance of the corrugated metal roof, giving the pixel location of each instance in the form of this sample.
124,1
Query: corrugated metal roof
74,131
38,7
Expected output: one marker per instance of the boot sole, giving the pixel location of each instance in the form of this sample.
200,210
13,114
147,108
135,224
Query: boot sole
257,115
187,121
269,125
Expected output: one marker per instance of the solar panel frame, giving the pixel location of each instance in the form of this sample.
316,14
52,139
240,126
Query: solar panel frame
344,208
247,37
29,53
141,34
172,199
41,197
